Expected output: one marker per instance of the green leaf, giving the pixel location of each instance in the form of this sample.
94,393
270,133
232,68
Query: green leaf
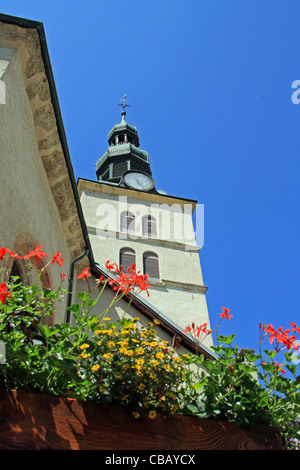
292,368
226,339
93,302
217,349
46,331
85,297
270,354
252,357
248,367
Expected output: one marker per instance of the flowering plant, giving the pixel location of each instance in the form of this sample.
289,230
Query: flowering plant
125,363
250,388
117,362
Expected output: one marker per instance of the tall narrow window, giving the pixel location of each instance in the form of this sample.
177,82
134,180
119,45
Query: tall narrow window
151,266
149,226
127,222
15,271
119,168
127,258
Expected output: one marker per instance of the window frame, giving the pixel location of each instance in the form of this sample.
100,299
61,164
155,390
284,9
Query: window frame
127,251
148,255
149,221
128,227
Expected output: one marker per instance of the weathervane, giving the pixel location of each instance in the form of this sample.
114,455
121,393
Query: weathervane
124,105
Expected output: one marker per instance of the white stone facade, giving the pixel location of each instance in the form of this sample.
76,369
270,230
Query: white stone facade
179,293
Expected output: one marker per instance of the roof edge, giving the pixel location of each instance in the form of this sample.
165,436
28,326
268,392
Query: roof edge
25,23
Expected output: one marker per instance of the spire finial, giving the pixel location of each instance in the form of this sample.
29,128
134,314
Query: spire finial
124,105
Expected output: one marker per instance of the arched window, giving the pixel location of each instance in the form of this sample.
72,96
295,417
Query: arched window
149,226
151,265
127,222
127,258
15,271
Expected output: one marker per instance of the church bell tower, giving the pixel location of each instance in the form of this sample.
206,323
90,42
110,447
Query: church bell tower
129,221
124,164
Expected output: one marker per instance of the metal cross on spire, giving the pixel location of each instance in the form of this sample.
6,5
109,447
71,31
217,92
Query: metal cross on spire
124,105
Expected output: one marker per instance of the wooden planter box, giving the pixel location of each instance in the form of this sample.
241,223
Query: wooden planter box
35,422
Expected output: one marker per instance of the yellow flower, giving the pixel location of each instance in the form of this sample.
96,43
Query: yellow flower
152,414
96,367
107,332
108,355
136,414
154,362
187,356
124,331
153,344
106,319
127,352
139,351
83,356
139,363
177,359
110,344
84,346
159,355
156,321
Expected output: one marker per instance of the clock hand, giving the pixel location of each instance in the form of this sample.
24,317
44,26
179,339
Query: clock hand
137,182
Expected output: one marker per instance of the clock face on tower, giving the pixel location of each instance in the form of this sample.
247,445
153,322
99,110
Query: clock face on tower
138,180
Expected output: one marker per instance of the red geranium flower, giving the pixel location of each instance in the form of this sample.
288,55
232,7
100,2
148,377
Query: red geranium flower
280,339
57,258
2,252
225,313
127,282
4,294
279,368
12,254
199,332
112,266
295,327
85,274
38,253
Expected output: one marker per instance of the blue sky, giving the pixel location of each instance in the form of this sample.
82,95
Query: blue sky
209,84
